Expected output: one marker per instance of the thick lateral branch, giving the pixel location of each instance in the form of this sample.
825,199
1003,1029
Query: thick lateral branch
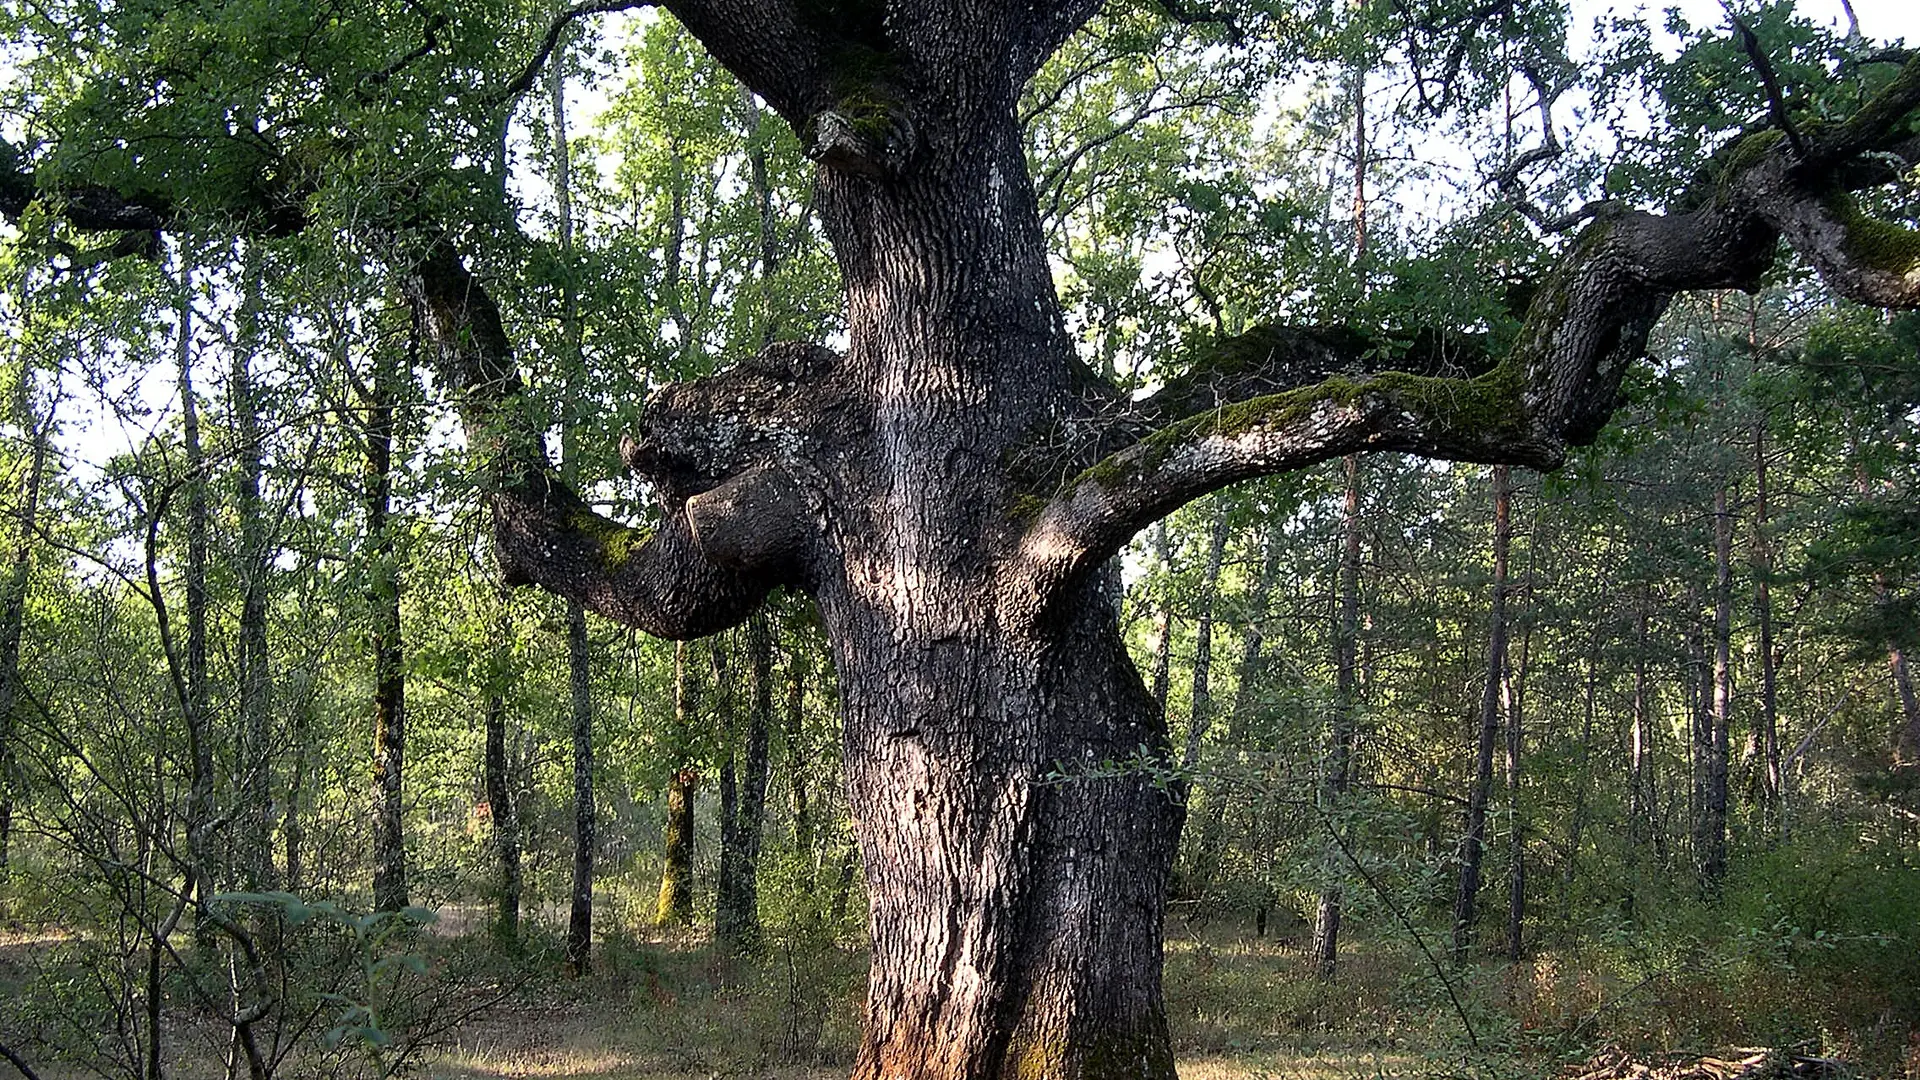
707,566
1558,384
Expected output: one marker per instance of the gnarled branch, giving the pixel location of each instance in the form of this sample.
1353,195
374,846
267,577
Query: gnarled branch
1558,383
717,551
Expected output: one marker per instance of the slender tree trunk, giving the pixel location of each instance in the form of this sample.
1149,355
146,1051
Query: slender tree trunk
794,730
1163,627
13,606
502,802
1338,769
1907,739
1338,766
675,906
1772,793
1246,701
1905,742
1711,849
294,828
580,714
1200,716
1515,692
579,947
737,900
1473,842
1640,733
253,567
383,600
195,705
1200,712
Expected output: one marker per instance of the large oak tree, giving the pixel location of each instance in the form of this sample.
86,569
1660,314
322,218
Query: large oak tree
952,486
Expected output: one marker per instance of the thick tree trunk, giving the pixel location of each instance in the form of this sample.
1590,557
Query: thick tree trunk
1473,842
743,802
675,905
1014,920
383,600
1036,953
1338,770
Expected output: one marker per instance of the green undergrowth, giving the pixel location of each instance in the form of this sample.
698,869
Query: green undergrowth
1811,946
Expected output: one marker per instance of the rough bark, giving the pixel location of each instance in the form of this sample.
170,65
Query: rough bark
1473,842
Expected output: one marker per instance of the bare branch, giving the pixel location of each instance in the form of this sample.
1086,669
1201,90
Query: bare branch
523,82
1769,79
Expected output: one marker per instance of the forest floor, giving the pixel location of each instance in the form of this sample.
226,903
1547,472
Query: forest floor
1240,1007
671,1007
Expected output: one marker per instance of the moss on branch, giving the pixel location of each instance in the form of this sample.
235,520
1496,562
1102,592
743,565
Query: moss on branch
1873,243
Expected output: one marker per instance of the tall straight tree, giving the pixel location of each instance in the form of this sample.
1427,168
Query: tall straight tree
951,485
579,651
1473,842
675,905
1337,772
253,567
743,798
38,430
381,564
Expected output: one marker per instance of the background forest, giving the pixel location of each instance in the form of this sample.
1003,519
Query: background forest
1488,772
